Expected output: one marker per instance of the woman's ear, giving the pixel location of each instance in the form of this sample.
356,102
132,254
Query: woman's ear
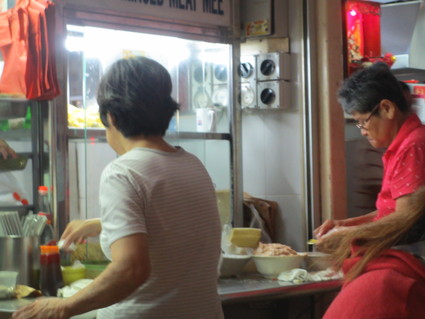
388,109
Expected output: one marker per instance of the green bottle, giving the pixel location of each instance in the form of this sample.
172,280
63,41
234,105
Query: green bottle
27,122
4,125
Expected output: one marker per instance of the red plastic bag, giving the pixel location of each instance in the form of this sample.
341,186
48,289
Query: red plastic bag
28,50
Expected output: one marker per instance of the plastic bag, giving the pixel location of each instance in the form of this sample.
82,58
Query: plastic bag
11,194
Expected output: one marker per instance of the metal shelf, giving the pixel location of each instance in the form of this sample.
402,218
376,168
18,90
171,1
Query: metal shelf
12,98
16,135
199,136
100,135
84,133
21,209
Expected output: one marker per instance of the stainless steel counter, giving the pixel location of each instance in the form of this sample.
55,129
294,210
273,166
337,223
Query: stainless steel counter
231,290
256,287
7,307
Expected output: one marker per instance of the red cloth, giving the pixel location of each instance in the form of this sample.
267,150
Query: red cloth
14,51
27,44
391,287
404,165
41,45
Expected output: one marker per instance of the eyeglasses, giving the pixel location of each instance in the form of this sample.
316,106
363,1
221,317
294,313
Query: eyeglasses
363,123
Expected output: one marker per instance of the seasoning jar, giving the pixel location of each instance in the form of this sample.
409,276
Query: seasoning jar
50,270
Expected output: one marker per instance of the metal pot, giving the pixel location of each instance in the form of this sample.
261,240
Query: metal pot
21,254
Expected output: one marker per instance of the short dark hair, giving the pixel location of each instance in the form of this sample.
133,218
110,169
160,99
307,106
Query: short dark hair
137,93
366,88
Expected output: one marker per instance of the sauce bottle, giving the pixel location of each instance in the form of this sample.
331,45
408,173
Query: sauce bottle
47,233
50,270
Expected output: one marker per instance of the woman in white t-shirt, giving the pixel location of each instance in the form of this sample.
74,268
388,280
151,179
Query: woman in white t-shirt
159,222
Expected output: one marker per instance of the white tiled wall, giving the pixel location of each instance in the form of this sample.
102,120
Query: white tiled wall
273,168
87,161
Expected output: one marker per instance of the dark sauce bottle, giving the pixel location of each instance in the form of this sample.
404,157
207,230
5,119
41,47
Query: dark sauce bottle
50,271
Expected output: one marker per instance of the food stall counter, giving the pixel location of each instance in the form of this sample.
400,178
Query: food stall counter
244,288
8,306
255,287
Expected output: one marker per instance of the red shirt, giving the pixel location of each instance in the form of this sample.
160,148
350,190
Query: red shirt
391,286
404,165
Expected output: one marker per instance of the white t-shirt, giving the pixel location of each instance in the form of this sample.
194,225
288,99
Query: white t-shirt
170,197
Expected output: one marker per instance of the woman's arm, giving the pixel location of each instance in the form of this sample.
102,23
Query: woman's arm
334,224
6,150
78,230
129,269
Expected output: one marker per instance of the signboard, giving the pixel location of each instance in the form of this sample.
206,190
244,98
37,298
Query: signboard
208,12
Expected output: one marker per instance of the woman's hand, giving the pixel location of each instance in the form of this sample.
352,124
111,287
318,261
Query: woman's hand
43,308
78,230
326,227
332,239
333,224
6,150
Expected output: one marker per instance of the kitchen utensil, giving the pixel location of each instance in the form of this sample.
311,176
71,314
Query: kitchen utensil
11,224
21,254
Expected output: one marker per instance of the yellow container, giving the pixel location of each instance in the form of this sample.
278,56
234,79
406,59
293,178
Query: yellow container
95,268
71,274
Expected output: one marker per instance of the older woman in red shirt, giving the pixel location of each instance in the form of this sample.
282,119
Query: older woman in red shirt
374,97
382,254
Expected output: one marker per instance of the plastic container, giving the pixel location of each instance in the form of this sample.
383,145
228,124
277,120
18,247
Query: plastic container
94,268
50,270
7,283
43,201
47,235
71,274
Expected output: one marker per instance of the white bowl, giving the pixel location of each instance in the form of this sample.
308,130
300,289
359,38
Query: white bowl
272,266
231,265
316,261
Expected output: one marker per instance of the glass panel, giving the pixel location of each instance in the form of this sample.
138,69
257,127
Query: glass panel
24,127
199,71
15,175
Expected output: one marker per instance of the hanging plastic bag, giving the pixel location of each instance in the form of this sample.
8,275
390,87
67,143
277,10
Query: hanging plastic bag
14,51
11,193
27,45
257,222
262,214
